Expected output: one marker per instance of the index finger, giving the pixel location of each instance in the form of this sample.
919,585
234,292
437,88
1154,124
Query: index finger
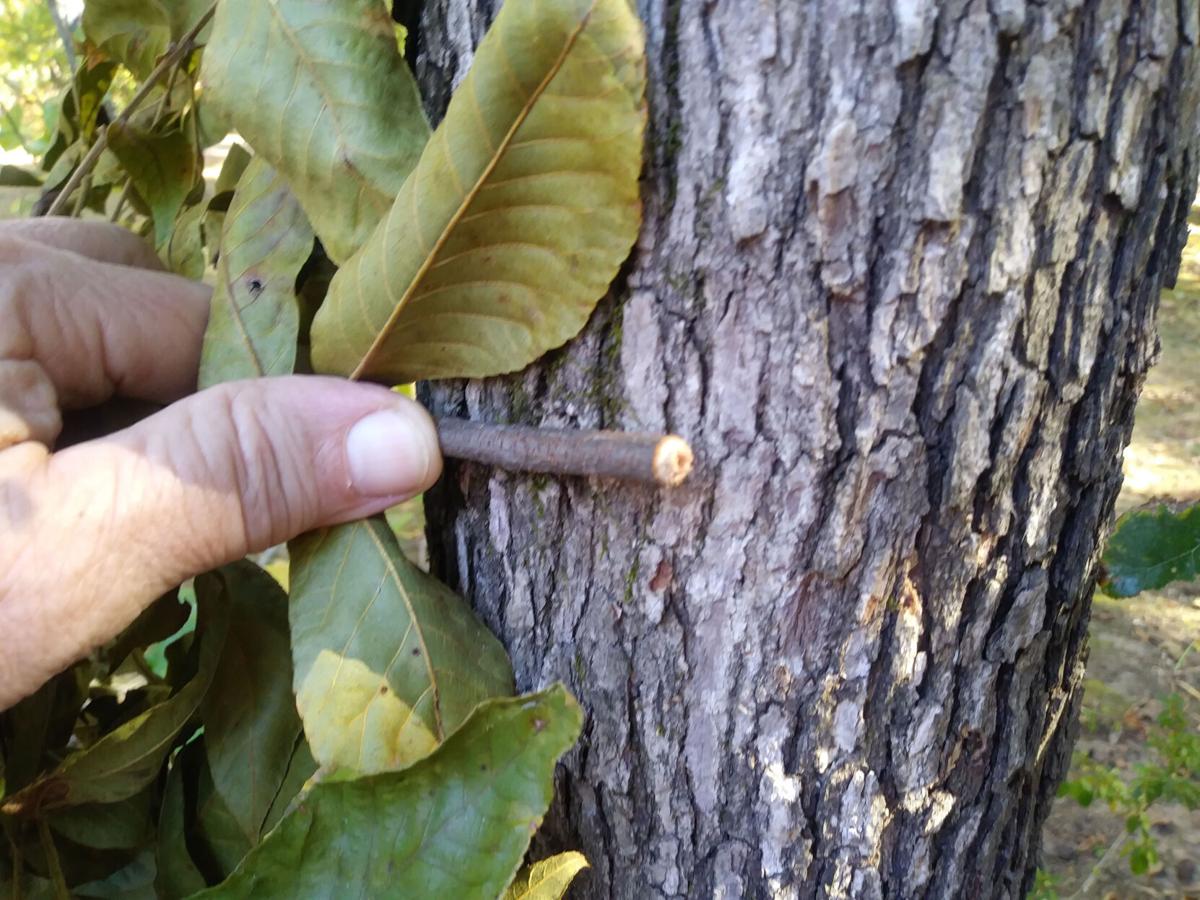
101,241
99,329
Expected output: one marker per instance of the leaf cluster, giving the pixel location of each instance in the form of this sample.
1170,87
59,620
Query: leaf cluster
35,71
1172,777
355,732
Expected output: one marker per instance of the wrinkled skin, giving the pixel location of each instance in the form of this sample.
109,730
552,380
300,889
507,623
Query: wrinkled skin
90,534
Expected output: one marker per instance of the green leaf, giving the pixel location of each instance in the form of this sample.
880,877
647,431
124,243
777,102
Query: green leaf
454,825
138,32
301,768
107,826
232,168
250,721
548,879
236,161
184,251
345,124
164,168
388,660
518,215
218,831
15,176
255,319
11,128
78,113
157,622
134,32
1142,856
183,16
177,875
1152,548
133,882
124,761
35,730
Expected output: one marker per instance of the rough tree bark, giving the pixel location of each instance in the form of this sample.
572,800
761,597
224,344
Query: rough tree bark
897,282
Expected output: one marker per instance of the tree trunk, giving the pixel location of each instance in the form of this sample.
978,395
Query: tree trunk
897,283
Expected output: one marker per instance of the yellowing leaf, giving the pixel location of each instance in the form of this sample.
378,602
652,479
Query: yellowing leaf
135,32
388,661
164,168
518,215
138,32
548,879
255,319
320,91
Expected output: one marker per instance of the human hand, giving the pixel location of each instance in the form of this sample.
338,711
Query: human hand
92,534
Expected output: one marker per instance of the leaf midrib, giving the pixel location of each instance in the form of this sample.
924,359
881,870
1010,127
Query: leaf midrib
328,100
418,628
470,195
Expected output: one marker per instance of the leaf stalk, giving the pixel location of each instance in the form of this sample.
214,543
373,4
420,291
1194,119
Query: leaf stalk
166,65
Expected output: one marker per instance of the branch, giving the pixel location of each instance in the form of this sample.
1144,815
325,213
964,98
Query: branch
181,49
64,32
654,458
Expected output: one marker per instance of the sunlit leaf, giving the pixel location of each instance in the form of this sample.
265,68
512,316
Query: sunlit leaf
250,720
1152,548
345,124
163,167
138,32
237,160
184,250
232,168
388,660
134,32
548,879
78,116
454,825
11,127
518,215
255,318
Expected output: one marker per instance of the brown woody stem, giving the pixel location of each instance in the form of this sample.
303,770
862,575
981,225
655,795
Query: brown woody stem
168,63
655,458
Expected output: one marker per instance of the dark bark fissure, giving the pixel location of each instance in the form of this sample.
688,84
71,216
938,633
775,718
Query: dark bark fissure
897,283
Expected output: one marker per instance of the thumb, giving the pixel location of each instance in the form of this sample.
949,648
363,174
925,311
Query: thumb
108,526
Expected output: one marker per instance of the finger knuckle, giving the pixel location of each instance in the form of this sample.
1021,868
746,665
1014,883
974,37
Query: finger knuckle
276,500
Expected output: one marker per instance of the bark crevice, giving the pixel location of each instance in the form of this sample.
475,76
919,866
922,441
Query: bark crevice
897,284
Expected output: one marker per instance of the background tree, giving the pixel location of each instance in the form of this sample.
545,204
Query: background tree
897,283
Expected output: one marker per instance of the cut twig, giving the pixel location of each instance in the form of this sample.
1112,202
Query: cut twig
168,62
656,458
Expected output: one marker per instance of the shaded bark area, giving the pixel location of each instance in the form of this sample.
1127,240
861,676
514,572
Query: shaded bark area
897,284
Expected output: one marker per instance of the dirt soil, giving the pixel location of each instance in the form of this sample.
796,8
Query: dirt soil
1146,648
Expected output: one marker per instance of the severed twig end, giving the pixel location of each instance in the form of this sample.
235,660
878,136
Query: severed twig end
672,461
